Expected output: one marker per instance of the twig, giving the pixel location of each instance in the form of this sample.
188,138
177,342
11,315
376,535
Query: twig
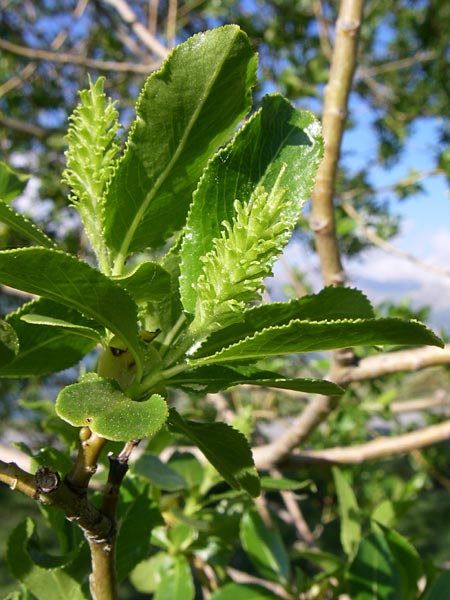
293,508
172,23
129,17
388,247
382,447
92,63
85,464
396,65
153,16
380,365
324,34
241,577
403,182
319,408
28,128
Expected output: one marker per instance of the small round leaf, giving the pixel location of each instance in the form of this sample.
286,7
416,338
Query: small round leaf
108,412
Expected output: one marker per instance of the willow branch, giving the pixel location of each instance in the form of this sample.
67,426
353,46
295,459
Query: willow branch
85,464
95,525
36,131
382,447
380,365
396,65
333,122
75,59
172,23
317,410
388,247
129,17
324,34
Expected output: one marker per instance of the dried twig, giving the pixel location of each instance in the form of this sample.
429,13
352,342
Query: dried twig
382,447
92,63
388,247
127,15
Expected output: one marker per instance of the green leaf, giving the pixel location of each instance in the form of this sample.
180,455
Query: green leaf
439,589
184,113
150,467
24,226
330,304
242,591
214,378
265,547
69,281
44,349
350,532
226,449
91,159
374,573
12,183
176,581
304,336
245,208
100,405
283,483
147,282
9,342
82,330
45,583
407,559
133,540
168,576
328,562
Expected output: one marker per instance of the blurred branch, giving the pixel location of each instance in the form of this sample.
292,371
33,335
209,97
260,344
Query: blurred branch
343,65
403,182
67,58
56,44
28,128
129,17
316,411
324,34
382,447
276,588
387,246
394,362
172,23
396,65
153,16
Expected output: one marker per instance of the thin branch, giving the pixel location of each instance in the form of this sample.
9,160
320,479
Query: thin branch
403,182
56,44
319,408
95,525
276,588
85,464
129,17
388,247
293,508
380,365
172,23
153,16
324,34
441,401
343,65
382,447
396,65
68,58
36,131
